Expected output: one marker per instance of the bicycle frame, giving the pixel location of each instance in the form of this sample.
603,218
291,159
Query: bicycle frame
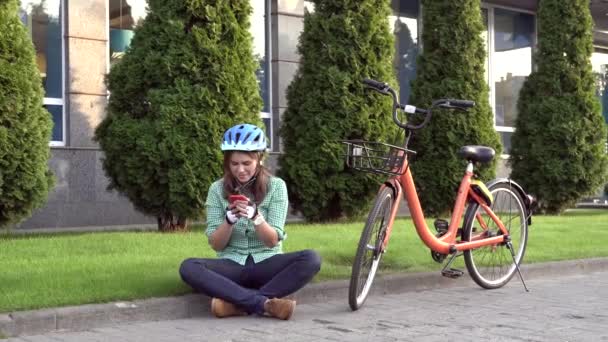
447,243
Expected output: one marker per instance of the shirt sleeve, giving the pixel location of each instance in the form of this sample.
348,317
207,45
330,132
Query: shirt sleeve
215,210
277,208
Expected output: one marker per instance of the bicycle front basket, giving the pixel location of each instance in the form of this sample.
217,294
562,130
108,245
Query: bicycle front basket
376,157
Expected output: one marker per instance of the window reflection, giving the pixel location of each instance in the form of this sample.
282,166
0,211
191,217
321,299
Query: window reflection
512,61
599,62
43,21
57,116
259,31
43,18
511,64
260,46
404,24
125,15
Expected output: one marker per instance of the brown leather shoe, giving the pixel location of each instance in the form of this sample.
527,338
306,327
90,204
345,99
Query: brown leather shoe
221,308
280,308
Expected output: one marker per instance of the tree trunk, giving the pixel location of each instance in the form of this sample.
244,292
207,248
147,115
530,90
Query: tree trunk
167,223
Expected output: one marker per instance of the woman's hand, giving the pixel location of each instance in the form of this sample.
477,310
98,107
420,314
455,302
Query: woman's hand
242,209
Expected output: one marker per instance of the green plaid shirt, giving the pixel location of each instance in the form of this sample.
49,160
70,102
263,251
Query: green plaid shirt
244,240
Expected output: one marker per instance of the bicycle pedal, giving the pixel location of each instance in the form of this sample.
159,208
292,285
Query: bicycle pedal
452,273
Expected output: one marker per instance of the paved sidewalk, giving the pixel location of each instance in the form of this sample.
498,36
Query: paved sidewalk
563,308
88,317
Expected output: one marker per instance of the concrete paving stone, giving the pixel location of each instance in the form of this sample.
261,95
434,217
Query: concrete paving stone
557,307
83,317
31,322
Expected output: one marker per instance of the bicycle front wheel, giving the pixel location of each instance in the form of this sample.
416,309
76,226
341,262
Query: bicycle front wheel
369,251
493,266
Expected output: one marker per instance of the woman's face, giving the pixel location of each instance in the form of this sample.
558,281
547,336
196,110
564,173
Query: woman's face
243,166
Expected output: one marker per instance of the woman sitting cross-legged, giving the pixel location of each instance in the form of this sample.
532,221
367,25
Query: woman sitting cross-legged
246,212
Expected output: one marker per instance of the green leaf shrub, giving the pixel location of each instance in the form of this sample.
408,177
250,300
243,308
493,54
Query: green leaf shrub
25,126
188,75
558,149
343,42
451,65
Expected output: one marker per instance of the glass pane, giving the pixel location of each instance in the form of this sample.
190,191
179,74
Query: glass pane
405,28
511,61
599,62
267,129
43,20
260,46
57,114
124,16
506,141
406,8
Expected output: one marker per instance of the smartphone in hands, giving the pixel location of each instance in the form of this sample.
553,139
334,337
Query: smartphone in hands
233,198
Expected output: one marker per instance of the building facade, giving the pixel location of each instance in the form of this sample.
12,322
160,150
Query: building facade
77,41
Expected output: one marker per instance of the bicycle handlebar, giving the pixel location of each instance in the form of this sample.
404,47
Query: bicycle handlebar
385,89
461,104
378,86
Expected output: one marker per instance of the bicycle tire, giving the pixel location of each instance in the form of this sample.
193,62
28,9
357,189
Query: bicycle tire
492,267
359,287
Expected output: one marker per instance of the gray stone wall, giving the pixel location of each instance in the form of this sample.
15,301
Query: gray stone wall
80,198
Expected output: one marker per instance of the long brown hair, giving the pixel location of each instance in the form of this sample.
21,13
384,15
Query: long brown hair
258,188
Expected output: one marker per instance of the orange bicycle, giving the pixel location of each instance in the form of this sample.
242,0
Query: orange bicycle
494,229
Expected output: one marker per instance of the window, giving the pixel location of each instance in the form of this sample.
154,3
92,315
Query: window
404,23
510,42
124,16
43,18
260,32
599,62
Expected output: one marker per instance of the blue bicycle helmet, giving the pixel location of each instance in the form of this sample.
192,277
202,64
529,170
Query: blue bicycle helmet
244,137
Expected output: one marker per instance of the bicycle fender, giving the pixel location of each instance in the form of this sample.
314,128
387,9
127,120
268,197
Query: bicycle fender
393,184
527,199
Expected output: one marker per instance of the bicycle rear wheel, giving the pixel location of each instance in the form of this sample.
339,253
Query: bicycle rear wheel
492,266
369,251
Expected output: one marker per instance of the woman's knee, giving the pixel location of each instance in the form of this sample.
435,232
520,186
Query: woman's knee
312,260
187,267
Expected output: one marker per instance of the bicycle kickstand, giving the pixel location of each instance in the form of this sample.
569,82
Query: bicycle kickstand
510,247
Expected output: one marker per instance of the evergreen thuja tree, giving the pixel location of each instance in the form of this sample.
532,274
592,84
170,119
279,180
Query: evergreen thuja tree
187,77
451,65
25,126
558,148
343,42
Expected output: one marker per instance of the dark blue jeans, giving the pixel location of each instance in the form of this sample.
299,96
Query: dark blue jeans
251,285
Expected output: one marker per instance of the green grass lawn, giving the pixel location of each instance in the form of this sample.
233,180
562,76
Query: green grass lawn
38,271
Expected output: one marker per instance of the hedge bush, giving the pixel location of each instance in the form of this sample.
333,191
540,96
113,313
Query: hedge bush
187,77
25,126
558,150
451,65
343,41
